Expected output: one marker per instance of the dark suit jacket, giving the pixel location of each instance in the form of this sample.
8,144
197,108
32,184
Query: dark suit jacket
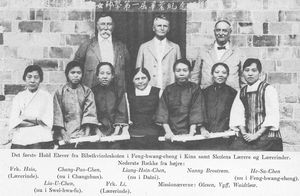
89,55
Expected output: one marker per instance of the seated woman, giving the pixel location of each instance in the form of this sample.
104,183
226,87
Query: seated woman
218,101
74,109
111,105
31,116
143,102
181,107
255,113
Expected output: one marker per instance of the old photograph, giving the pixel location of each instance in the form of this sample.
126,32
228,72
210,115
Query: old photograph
138,80
223,79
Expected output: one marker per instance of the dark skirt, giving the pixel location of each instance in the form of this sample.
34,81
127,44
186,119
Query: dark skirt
188,145
215,144
264,143
208,144
148,142
80,145
120,145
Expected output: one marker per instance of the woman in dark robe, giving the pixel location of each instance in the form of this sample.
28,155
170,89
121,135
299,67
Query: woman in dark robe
218,100
111,106
181,108
143,102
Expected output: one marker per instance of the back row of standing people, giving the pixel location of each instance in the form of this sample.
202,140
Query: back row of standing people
158,55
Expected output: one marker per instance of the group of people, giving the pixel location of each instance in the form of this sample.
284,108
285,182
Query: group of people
168,96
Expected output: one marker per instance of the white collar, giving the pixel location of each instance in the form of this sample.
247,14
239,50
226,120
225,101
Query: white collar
253,87
157,41
101,39
31,93
144,92
216,45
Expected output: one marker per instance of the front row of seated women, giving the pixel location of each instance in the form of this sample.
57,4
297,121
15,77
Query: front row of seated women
182,109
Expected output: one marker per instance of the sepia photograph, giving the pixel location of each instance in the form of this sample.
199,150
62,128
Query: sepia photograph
189,97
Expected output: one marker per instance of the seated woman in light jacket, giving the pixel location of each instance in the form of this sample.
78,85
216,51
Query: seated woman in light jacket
31,116
74,110
255,113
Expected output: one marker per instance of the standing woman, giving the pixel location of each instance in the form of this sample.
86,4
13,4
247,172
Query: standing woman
74,109
31,116
143,102
218,100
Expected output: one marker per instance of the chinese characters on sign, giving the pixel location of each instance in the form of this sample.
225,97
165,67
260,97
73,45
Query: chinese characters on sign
132,5
146,5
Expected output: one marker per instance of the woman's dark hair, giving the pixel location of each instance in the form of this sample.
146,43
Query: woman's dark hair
249,61
32,68
71,65
183,61
221,64
143,70
105,63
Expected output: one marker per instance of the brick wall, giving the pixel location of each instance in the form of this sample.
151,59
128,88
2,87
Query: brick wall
45,32
48,32
265,29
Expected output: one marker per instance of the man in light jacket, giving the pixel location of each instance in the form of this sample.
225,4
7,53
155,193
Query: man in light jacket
159,54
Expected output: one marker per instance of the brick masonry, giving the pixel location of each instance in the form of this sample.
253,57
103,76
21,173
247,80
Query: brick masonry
265,29
46,33
49,32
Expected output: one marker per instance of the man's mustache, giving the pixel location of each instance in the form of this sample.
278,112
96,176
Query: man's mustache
106,32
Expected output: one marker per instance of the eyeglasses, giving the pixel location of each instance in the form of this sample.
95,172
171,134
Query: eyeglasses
222,30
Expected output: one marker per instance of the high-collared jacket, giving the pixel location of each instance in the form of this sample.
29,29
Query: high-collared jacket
147,58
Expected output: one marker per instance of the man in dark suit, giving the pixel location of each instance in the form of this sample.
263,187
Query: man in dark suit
103,48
